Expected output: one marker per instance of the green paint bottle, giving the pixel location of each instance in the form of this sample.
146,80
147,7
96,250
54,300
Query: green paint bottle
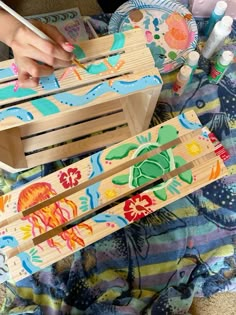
219,68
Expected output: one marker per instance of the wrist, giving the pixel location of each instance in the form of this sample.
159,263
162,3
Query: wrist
10,28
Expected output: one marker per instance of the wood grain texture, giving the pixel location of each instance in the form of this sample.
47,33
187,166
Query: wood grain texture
113,73
96,198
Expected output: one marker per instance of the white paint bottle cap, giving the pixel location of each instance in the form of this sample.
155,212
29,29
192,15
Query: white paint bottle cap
226,58
192,59
185,73
226,23
220,7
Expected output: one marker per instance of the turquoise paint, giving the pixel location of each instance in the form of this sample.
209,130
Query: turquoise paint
118,43
6,73
120,87
8,92
113,60
96,69
173,187
17,112
49,83
45,107
78,52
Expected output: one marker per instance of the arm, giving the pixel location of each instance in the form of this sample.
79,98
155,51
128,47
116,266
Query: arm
29,49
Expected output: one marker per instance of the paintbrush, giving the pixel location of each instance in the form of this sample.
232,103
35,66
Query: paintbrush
34,29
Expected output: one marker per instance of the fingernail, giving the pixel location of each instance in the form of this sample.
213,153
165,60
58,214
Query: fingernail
16,86
69,46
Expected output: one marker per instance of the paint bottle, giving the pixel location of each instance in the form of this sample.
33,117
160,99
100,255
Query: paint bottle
182,80
192,62
221,30
216,15
219,68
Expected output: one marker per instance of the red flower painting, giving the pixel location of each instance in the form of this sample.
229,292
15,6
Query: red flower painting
70,178
137,207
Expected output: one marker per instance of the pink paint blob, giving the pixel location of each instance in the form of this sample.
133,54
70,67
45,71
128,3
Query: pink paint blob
16,86
14,68
168,67
149,36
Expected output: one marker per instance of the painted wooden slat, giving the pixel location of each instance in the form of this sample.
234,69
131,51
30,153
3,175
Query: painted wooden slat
93,49
16,228
129,63
182,125
187,163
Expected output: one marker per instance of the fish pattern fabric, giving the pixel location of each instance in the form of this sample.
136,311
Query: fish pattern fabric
159,264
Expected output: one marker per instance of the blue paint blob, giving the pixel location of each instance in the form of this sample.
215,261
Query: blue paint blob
17,112
49,83
11,241
101,218
120,87
155,24
183,120
27,264
8,241
6,73
92,191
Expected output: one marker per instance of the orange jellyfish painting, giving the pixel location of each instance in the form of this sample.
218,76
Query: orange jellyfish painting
4,201
178,35
51,216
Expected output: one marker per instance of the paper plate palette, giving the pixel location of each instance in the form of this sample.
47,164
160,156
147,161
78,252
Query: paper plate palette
170,29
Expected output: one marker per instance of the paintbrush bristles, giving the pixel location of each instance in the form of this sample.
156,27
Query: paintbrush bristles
77,63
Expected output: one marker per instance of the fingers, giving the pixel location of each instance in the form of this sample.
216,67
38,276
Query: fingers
29,49
49,48
58,48
30,72
45,58
57,37
26,81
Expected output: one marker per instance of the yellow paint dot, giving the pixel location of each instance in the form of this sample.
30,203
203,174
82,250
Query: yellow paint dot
110,193
194,148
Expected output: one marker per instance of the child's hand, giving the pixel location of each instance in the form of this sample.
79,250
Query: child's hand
36,57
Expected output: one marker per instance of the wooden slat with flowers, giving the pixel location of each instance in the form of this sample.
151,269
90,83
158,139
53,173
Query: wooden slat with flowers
204,171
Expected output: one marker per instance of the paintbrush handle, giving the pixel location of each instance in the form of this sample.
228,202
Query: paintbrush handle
24,21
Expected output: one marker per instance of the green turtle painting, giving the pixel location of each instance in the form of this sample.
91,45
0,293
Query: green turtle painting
153,167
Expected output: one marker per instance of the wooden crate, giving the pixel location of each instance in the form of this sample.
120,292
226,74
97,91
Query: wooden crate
79,110
55,216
